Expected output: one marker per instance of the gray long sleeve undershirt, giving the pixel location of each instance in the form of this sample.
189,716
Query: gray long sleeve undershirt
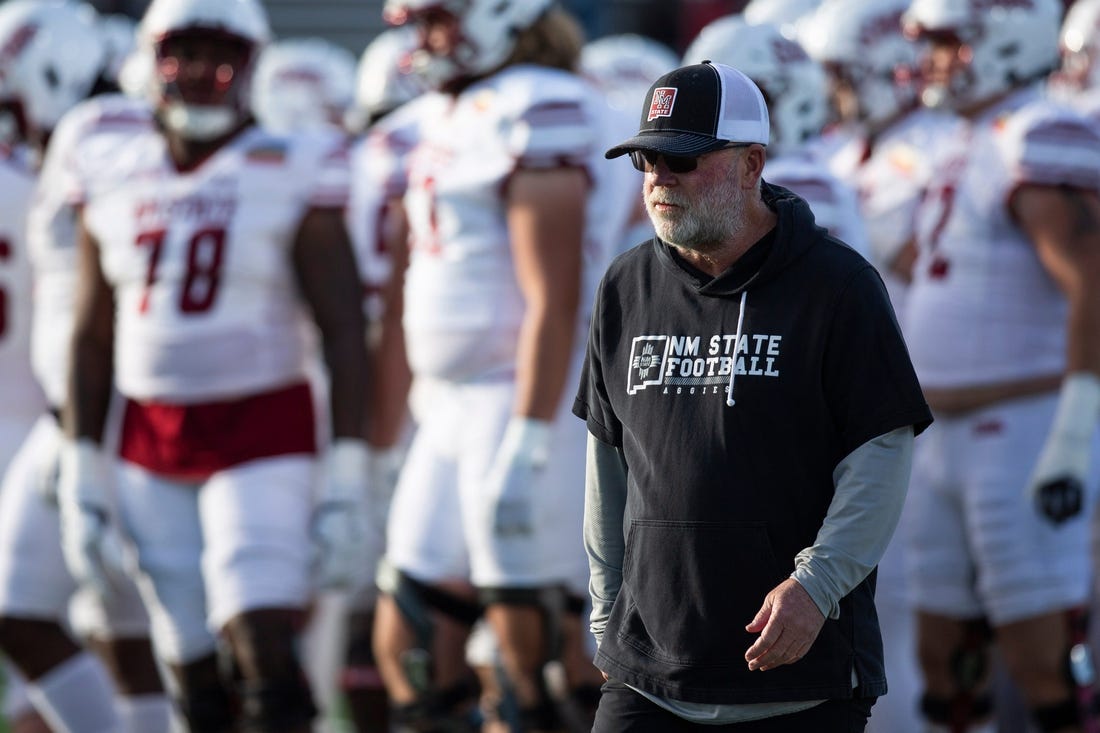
870,485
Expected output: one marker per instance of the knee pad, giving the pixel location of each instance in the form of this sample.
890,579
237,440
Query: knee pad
268,706
452,710
1061,715
970,661
969,665
956,713
416,600
550,600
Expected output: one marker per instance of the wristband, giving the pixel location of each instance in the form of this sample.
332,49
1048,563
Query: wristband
83,459
1078,405
346,462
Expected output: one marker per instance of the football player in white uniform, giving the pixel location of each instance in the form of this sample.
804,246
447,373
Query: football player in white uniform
53,57
509,230
202,241
795,88
1001,320
882,145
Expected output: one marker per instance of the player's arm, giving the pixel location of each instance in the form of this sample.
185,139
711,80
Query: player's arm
89,542
1064,226
390,378
546,210
91,370
329,281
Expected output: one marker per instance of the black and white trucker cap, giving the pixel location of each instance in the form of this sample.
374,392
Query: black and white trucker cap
697,109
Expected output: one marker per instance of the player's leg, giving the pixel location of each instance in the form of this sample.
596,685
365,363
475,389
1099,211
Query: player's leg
18,711
427,606
66,683
952,637
162,519
1035,575
533,586
256,570
360,680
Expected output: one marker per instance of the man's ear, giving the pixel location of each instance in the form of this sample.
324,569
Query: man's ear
754,157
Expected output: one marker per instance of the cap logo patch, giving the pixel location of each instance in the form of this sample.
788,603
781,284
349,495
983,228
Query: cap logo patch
661,105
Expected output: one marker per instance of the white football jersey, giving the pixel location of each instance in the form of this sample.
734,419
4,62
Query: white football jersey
463,305
19,395
981,308
379,174
832,201
206,299
51,235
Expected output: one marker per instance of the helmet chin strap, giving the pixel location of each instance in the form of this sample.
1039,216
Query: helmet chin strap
199,122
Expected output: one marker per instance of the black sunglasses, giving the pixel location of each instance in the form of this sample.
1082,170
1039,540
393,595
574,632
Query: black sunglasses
644,160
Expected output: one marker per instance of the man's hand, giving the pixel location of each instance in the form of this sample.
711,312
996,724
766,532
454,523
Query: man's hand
1056,487
788,622
90,542
340,525
522,455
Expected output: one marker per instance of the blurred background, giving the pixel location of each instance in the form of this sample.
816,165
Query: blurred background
353,23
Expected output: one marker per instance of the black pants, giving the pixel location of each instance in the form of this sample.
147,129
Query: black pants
622,710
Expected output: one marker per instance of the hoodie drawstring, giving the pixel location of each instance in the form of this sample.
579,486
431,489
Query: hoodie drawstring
736,345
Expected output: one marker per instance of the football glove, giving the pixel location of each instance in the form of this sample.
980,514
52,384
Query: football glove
90,541
1057,484
340,525
521,457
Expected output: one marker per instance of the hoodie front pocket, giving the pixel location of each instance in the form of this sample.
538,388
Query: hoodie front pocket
694,586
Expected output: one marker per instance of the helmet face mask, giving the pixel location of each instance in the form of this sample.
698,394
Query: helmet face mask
200,67
463,39
999,46
203,54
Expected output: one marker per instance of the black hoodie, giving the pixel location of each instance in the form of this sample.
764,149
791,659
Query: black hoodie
730,475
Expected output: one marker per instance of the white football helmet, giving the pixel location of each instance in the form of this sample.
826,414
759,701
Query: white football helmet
624,66
303,84
385,79
241,21
51,56
788,15
486,36
1010,43
793,84
1080,45
861,42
